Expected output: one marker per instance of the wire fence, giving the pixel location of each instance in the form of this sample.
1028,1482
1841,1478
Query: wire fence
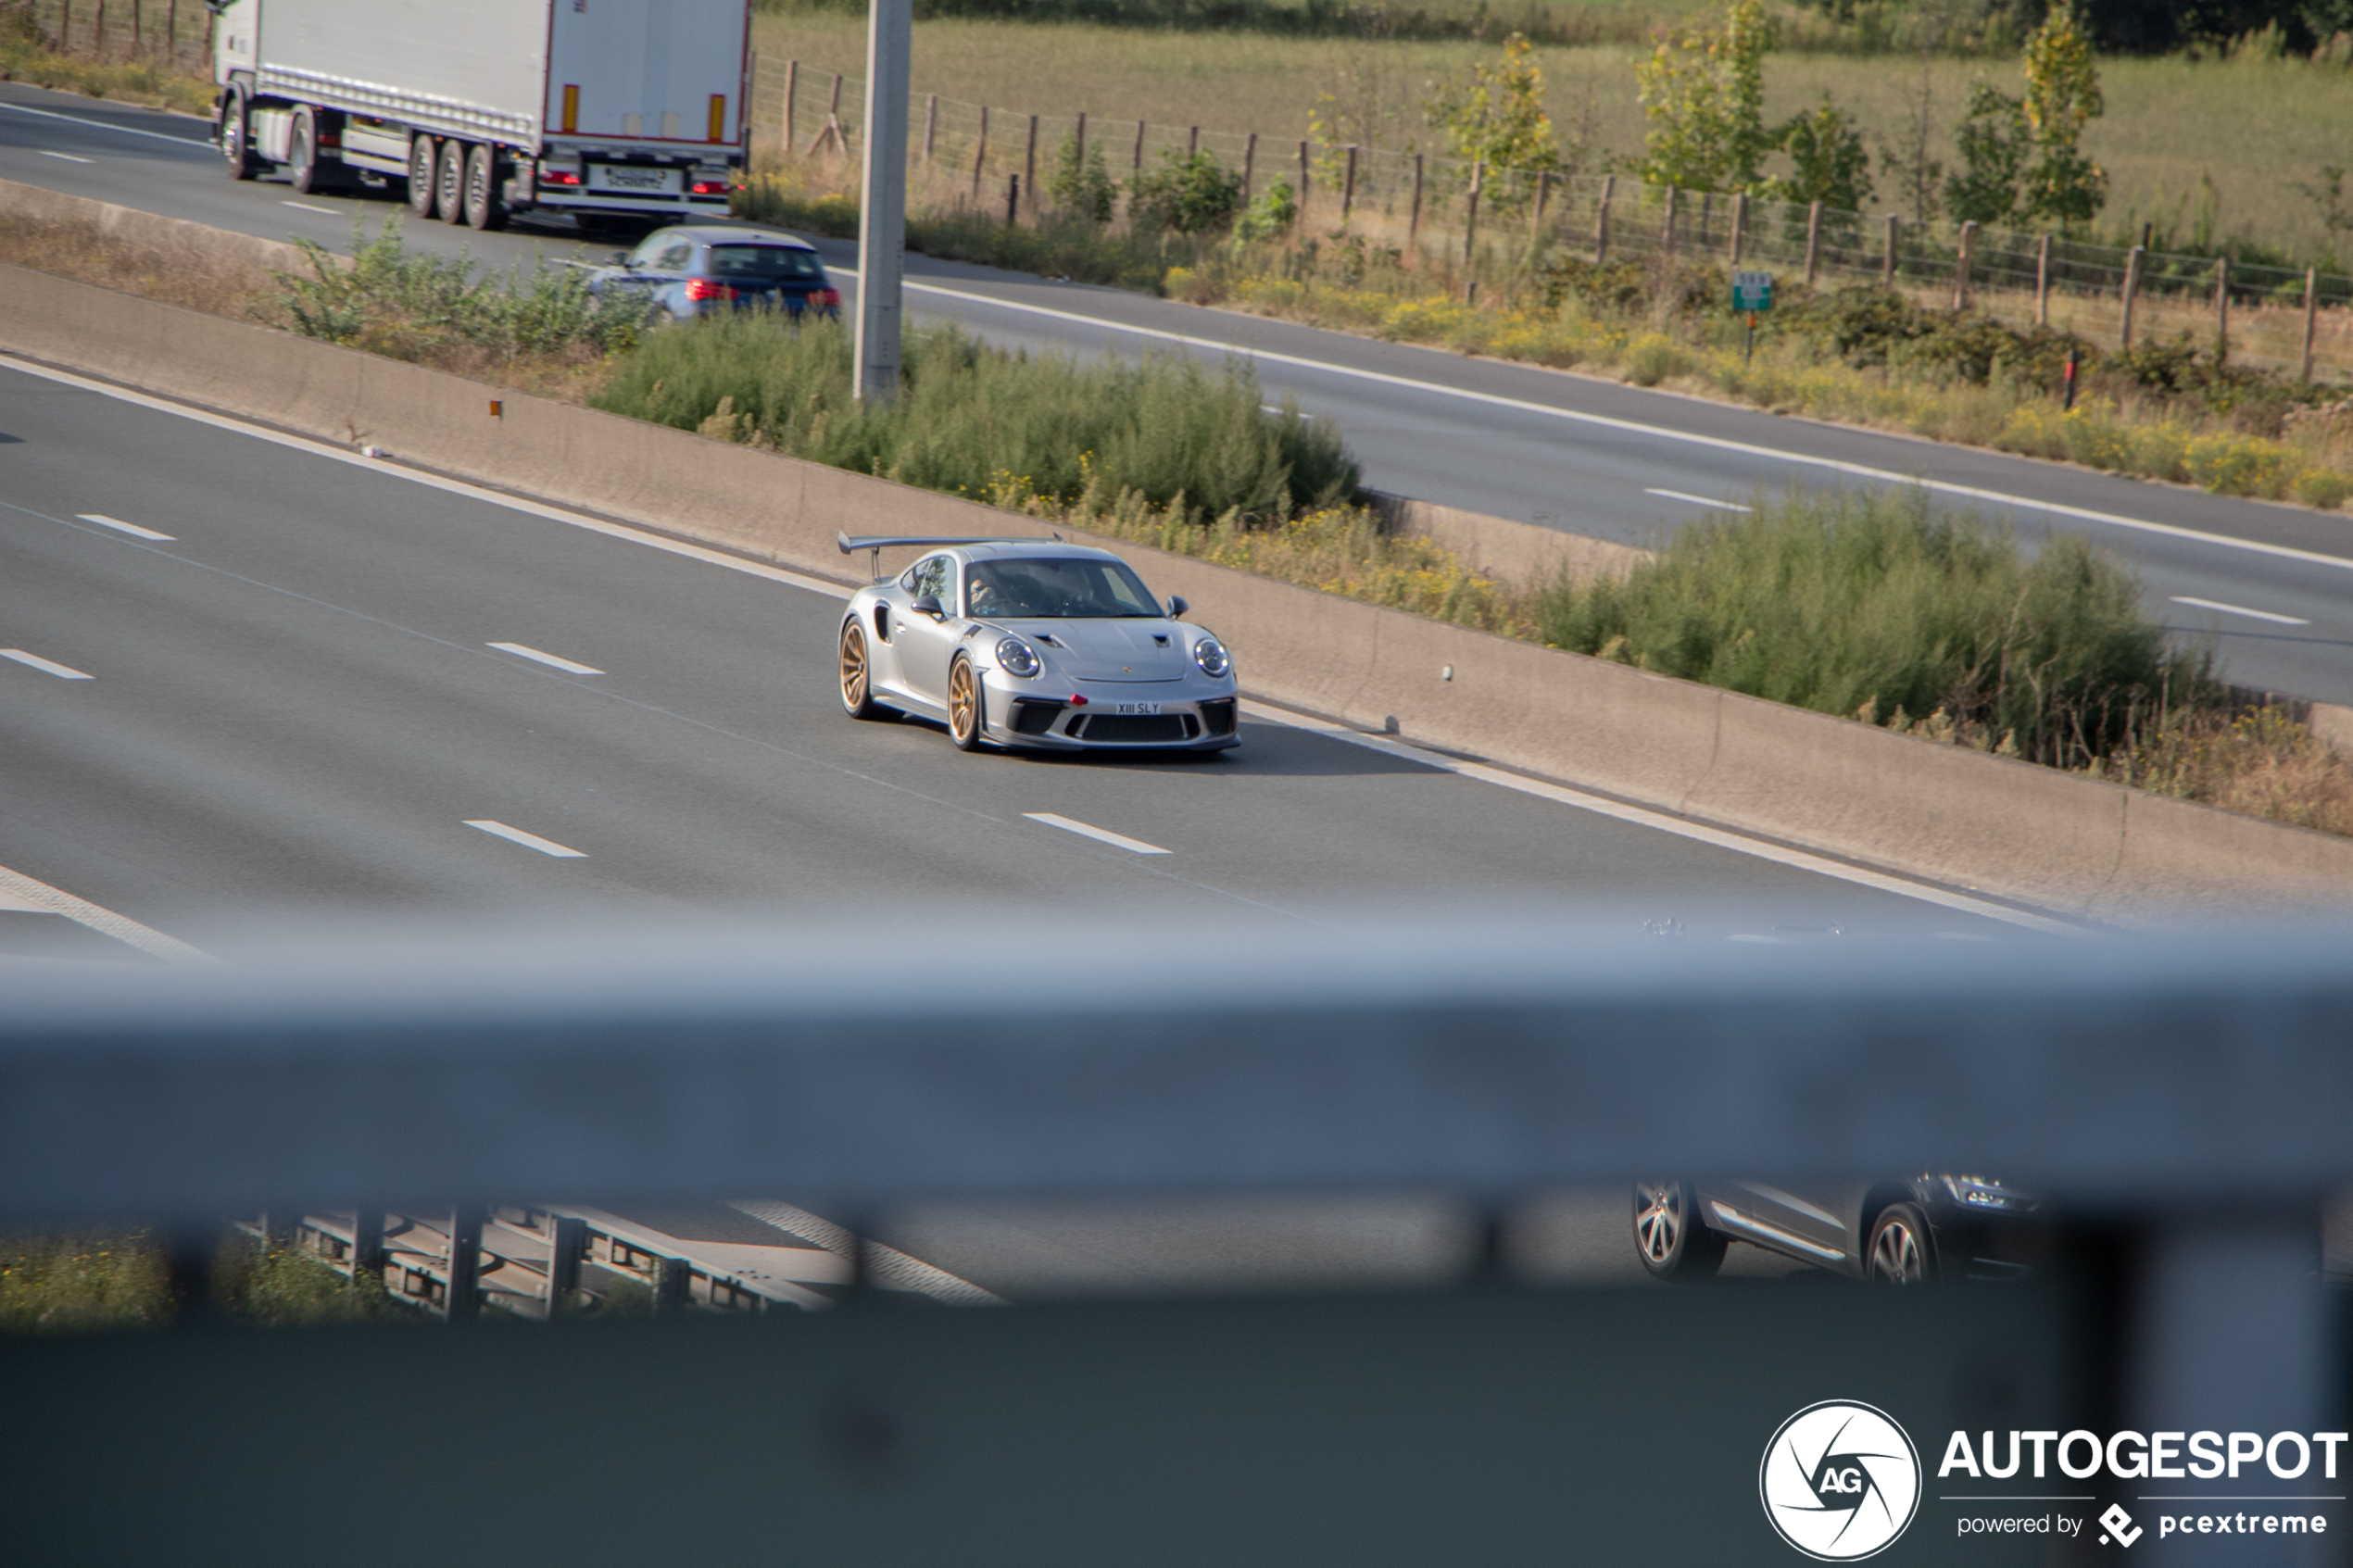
1440,210
172,33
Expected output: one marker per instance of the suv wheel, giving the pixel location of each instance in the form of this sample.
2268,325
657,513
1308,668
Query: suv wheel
1673,1241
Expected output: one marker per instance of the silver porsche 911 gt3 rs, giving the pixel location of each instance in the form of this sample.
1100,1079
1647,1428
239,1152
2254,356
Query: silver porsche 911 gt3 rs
1034,643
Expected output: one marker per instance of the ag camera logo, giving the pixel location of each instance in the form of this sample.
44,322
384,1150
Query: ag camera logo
1841,1480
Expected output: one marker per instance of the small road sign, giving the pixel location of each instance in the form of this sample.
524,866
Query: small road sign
1752,291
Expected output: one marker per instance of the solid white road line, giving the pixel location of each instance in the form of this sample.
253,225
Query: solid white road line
1117,841
1264,714
306,207
193,142
2242,609
66,156
1699,500
563,664
1681,828
528,840
130,527
18,891
62,671
1662,432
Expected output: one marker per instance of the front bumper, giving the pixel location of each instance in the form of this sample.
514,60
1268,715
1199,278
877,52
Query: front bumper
1989,1244
1189,717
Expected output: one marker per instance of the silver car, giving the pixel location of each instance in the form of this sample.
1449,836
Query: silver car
1034,643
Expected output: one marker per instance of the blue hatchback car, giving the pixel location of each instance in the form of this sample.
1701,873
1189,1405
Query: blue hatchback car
700,269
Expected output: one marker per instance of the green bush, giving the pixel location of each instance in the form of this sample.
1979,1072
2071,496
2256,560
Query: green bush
1269,215
280,1285
992,423
1187,192
391,302
1865,603
69,1279
1080,185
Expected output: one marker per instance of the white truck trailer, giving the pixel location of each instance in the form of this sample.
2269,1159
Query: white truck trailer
623,113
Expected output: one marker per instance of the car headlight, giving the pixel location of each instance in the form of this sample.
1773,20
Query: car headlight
1976,1192
1017,658
1210,654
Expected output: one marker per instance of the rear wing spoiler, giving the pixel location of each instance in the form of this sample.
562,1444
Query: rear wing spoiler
851,547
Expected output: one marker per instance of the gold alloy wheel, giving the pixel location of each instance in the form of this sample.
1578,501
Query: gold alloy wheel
853,669
963,705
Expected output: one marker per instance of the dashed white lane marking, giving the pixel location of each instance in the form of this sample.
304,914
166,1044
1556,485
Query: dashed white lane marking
2242,609
1797,860
62,671
102,521
306,207
1117,841
68,158
1721,838
564,664
192,143
529,840
1698,500
18,891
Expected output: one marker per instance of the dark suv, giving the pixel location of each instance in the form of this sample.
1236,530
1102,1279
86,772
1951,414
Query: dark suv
1897,1232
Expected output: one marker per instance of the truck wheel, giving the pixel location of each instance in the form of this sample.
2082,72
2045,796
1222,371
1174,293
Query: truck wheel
424,158
449,183
302,155
485,203
236,136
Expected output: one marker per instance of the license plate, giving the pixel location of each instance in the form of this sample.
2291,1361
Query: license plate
636,180
1134,708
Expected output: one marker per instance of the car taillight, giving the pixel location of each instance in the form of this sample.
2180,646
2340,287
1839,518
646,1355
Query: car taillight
560,177
703,288
711,187
827,296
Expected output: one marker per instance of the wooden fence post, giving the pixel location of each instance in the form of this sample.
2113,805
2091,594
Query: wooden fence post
1250,165
171,31
2043,284
2132,293
1138,166
980,153
1302,181
931,125
1740,224
1192,142
1601,219
1347,186
1012,199
1964,264
1667,227
1079,135
1813,241
1029,167
2311,316
2221,309
792,87
98,35
1413,221
1470,212
1887,262
1536,221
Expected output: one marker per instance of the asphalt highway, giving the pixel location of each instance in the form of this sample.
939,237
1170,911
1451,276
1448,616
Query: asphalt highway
2272,585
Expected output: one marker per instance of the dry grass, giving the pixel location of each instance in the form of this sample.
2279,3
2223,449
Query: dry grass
2263,763
87,254
2255,127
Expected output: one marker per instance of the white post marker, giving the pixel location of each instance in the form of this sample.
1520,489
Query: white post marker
882,225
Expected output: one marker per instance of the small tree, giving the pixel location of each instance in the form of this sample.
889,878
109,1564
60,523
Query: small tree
1703,95
2063,96
1495,114
1994,141
1832,167
1918,176
1190,193
1080,184
1270,214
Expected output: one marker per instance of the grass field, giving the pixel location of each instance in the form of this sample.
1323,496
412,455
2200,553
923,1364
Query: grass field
2255,126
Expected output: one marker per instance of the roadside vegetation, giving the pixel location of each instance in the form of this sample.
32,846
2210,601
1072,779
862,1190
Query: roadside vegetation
152,74
70,1281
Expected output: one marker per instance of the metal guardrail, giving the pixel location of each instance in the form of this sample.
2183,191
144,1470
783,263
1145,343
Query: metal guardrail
2186,1098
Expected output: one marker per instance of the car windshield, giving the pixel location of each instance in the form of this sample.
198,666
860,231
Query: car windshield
767,264
1064,589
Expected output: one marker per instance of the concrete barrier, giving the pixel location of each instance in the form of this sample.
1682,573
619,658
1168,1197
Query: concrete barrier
172,241
2005,827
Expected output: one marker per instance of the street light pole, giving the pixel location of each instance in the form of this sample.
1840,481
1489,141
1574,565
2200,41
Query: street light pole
882,229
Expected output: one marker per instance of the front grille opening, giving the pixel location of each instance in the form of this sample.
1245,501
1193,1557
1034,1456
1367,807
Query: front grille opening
1218,714
1035,718
1135,729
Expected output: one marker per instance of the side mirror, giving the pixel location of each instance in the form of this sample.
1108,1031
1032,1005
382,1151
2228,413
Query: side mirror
1177,607
930,605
